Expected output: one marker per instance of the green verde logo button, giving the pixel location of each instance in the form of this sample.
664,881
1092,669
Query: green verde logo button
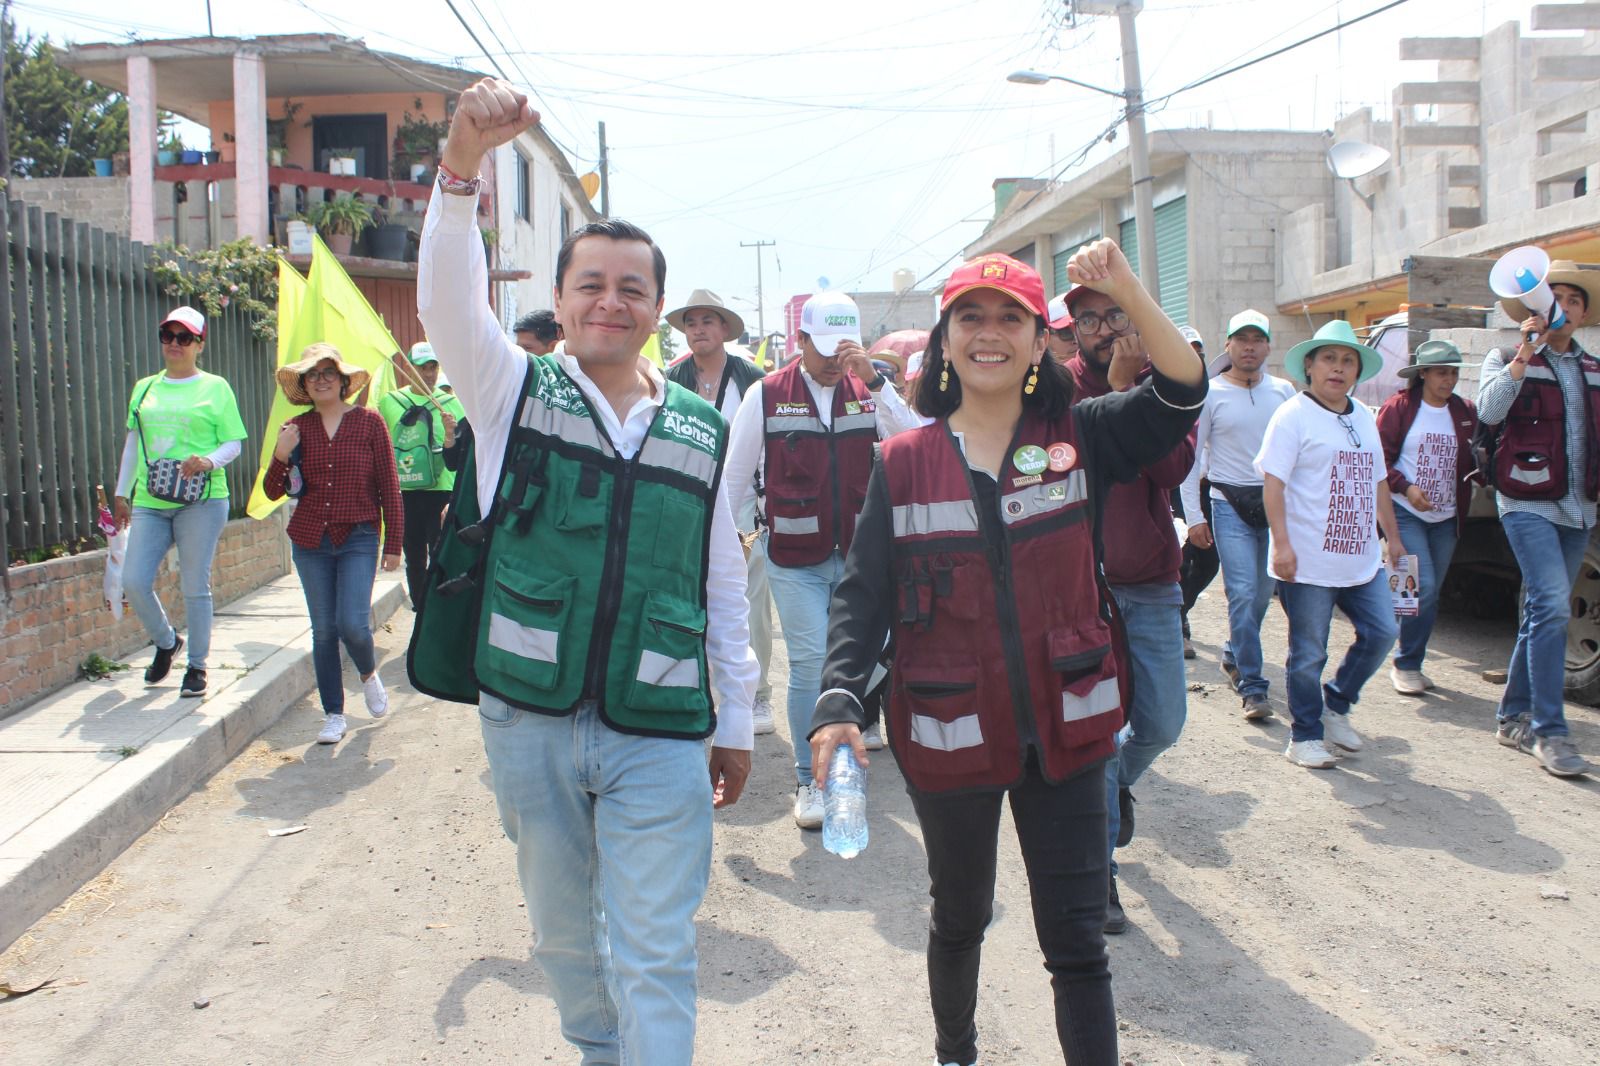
1030,459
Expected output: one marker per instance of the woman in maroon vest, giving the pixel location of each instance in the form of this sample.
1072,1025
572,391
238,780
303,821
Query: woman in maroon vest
976,547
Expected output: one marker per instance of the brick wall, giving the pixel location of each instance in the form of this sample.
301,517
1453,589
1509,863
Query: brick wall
57,616
100,202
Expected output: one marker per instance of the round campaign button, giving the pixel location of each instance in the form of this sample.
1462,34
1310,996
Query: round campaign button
1030,459
1062,456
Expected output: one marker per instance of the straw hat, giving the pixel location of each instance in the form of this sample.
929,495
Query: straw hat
710,301
1563,272
289,376
1336,334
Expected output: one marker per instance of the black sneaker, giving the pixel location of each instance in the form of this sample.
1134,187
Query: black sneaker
194,683
161,665
1116,920
1124,816
1233,674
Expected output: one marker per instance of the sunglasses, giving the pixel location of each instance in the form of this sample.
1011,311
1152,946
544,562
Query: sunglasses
182,338
321,374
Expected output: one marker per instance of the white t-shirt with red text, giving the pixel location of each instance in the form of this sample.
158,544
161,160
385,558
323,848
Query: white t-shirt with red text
1428,460
1330,474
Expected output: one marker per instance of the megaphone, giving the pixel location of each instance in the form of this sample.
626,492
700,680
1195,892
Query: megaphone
1519,275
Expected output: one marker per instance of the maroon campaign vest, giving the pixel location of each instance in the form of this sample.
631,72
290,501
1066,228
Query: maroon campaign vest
1531,457
816,475
990,661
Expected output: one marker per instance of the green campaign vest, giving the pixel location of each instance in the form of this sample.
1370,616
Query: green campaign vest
587,578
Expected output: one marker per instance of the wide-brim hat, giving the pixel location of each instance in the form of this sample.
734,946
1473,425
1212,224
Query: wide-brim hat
1336,334
289,376
1562,272
1431,354
711,301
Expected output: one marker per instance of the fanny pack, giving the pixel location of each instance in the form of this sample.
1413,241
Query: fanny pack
1247,501
164,478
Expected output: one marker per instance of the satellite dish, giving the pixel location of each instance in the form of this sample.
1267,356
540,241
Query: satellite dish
1353,159
823,283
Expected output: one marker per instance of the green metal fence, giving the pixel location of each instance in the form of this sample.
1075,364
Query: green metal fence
84,309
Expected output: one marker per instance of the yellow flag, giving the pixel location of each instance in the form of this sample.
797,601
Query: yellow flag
299,324
652,349
761,354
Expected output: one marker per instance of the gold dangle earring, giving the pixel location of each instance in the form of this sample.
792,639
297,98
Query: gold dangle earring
1032,382
944,378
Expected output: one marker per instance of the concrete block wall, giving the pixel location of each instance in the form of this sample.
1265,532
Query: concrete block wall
101,202
57,617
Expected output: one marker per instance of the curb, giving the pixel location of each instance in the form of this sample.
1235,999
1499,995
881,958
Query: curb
82,835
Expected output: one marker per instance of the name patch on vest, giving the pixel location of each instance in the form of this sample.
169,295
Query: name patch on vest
689,427
790,409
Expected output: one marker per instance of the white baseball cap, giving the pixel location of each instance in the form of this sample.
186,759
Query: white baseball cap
1192,335
828,318
1250,319
189,319
1056,311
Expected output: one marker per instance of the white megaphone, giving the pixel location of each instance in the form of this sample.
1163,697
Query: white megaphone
1519,275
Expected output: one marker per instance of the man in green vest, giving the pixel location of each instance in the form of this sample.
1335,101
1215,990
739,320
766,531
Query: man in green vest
422,419
588,595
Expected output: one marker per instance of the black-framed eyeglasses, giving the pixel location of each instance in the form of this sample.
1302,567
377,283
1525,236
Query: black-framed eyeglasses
1350,430
1090,322
1065,334
182,338
322,374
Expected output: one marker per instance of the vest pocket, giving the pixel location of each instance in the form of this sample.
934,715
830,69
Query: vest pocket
1082,660
670,675
792,516
942,729
678,543
526,620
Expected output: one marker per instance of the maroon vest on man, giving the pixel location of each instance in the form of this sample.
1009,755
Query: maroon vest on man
1531,453
989,662
816,474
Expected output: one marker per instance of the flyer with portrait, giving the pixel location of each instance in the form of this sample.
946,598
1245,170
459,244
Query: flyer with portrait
1403,587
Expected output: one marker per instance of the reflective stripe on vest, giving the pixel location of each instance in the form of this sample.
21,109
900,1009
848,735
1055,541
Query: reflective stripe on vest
964,732
921,519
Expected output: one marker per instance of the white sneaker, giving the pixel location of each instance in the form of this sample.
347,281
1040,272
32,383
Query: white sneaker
332,729
761,715
377,698
1340,733
873,738
808,806
1308,753
1408,682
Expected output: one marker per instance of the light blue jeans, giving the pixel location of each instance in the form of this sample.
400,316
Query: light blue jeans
1242,550
803,595
1433,543
1160,698
613,837
1549,556
337,580
1370,608
195,529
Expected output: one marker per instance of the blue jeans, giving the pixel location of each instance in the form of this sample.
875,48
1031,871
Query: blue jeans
1549,556
337,580
1242,551
1433,543
195,529
802,595
1370,608
1160,698
613,838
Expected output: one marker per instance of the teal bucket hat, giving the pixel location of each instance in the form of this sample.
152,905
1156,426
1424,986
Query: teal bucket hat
1336,334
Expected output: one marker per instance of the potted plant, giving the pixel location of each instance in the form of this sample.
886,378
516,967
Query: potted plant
388,239
340,221
278,132
416,142
170,145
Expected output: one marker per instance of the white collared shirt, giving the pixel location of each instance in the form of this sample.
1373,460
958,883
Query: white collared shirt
487,370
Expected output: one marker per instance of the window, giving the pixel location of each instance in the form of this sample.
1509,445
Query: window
566,222
524,188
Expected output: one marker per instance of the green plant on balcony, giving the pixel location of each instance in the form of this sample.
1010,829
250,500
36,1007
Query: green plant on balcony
416,140
240,274
345,215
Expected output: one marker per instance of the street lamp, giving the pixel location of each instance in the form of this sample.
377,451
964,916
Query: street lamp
1132,97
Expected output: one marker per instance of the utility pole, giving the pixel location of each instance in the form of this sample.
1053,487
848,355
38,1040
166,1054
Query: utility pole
605,176
1144,212
761,309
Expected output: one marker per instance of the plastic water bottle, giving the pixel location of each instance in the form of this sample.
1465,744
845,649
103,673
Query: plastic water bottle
844,805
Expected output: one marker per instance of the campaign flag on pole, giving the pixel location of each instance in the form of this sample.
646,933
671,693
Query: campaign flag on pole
652,349
299,324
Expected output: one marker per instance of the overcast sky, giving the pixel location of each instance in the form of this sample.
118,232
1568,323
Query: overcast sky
861,137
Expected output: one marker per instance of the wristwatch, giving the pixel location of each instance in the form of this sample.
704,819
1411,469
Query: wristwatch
876,383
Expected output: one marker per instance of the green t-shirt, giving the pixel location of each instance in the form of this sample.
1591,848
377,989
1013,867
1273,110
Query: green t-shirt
177,419
412,441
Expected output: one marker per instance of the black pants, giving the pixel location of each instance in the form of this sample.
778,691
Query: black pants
1199,566
1062,830
424,519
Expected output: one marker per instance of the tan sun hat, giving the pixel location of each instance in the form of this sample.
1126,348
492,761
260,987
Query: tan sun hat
289,376
705,298
1563,272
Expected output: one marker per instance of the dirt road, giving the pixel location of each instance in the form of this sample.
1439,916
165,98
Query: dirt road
1389,911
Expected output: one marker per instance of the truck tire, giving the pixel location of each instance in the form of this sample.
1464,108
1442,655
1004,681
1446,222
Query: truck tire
1583,631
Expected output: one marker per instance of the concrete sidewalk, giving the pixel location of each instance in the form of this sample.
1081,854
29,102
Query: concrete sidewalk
92,767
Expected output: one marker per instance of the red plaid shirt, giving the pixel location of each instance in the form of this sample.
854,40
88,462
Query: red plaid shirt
348,479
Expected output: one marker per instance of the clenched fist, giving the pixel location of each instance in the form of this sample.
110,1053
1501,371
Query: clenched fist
488,115
288,437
